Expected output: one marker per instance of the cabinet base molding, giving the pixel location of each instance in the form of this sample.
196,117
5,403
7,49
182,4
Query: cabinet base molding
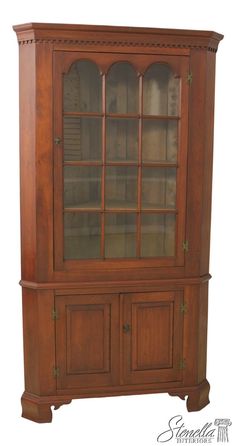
38,408
198,397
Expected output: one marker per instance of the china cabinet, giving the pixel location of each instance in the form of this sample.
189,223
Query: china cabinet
116,136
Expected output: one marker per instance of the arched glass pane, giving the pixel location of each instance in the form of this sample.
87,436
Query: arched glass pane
122,89
83,88
160,91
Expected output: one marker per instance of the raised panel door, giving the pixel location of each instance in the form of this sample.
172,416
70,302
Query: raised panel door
87,340
152,337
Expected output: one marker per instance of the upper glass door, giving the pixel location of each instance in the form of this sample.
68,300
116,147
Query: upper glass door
122,160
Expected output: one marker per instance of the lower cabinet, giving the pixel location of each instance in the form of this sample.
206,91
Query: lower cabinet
112,339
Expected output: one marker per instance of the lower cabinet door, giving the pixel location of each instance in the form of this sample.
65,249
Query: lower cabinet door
152,337
87,340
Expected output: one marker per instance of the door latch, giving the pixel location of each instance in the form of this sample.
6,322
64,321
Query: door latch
126,328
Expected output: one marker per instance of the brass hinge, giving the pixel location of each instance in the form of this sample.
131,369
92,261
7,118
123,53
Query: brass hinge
182,364
185,245
190,78
183,307
54,314
56,372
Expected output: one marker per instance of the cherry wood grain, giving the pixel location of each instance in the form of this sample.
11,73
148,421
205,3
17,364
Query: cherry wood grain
28,162
39,341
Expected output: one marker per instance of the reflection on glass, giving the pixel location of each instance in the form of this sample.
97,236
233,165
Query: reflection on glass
160,91
121,187
157,235
120,233
158,188
82,233
83,88
82,138
159,141
122,139
82,186
122,89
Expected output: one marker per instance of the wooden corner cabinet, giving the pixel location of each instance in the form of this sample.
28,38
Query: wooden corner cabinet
116,138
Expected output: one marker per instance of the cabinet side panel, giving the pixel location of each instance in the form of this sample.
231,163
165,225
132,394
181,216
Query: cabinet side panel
200,153
190,344
208,162
27,161
39,341
195,333
196,147
46,329
202,330
31,340
44,161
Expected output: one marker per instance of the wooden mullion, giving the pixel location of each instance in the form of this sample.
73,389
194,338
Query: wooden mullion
58,153
161,117
84,114
159,211
103,165
157,164
83,163
68,210
121,163
119,210
138,246
123,115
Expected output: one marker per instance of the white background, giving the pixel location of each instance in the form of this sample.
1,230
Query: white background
133,420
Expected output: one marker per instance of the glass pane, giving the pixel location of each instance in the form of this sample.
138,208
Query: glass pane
82,186
82,232
159,141
158,188
120,235
122,89
83,88
160,91
121,187
122,139
82,138
157,235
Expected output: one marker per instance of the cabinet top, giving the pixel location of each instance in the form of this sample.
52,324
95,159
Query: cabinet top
116,36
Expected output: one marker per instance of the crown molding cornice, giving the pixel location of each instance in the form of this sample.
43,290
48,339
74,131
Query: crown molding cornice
107,36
